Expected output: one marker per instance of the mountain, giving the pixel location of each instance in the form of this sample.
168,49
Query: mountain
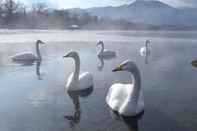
148,12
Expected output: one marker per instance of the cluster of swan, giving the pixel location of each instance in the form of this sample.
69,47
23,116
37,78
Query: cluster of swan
126,99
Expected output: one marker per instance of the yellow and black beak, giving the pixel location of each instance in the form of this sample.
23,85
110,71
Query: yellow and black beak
119,68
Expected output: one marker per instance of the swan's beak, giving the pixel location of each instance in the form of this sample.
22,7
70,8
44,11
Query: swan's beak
66,56
119,68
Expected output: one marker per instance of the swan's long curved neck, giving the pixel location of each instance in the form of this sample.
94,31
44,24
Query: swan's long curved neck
147,45
38,51
102,47
136,80
77,67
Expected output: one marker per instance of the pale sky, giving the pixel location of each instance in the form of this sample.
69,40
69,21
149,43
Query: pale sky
98,3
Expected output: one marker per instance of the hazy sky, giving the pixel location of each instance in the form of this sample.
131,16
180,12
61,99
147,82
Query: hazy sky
97,3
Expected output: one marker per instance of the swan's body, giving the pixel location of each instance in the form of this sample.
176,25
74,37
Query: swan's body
104,52
78,81
127,99
28,56
145,50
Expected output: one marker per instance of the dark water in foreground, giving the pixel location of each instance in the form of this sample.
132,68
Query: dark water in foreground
34,99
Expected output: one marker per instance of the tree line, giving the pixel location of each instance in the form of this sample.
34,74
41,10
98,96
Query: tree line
39,16
15,15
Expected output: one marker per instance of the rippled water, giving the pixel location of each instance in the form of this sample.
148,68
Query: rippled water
33,97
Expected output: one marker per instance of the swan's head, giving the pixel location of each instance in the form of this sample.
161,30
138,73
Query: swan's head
40,42
126,66
72,54
100,43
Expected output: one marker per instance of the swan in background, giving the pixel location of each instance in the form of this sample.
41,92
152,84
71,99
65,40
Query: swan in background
77,80
145,50
75,96
103,52
127,99
29,56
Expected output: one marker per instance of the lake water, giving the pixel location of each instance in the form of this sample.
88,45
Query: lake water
33,97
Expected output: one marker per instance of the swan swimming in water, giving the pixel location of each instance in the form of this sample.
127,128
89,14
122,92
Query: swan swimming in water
103,52
29,56
77,80
127,99
145,50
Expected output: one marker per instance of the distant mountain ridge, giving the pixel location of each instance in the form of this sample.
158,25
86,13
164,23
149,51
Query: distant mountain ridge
148,12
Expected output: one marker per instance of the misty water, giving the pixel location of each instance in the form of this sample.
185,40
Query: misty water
33,96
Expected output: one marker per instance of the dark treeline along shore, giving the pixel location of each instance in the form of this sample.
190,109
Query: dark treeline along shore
15,15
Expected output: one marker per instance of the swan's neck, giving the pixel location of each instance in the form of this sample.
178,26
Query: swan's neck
77,67
102,48
146,46
136,81
38,51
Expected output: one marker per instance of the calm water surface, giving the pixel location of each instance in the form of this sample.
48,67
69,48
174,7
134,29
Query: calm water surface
33,97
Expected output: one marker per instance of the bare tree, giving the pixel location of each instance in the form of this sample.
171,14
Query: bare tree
10,9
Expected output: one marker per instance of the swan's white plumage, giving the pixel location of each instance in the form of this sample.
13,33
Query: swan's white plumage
145,51
126,99
24,56
85,81
106,53
117,99
78,81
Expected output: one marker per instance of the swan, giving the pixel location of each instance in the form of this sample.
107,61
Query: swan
28,56
77,80
126,99
103,52
145,50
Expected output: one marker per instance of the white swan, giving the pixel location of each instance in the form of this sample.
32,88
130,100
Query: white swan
77,80
127,99
103,52
145,50
29,56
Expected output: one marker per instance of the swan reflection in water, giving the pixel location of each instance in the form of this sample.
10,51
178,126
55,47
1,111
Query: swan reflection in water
39,75
130,121
30,63
102,59
75,96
